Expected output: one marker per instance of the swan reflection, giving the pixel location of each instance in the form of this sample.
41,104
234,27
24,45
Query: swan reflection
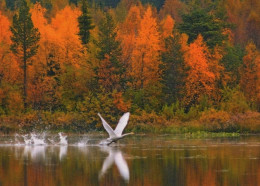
63,151
35,152
40,152
115,156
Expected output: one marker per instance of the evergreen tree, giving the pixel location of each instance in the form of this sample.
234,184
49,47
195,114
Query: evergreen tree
85,23
232,60
173,68
109,56
25,40
200,22
10,4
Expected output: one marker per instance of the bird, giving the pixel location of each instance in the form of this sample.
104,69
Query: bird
115,156
115,135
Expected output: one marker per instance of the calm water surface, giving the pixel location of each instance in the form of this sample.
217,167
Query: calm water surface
137,160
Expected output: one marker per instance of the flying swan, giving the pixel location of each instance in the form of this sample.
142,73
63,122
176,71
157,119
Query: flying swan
115,135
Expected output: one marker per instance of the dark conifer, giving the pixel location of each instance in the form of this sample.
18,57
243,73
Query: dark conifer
25,40
85,23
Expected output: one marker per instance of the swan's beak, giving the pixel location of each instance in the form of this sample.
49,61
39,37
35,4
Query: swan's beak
132,133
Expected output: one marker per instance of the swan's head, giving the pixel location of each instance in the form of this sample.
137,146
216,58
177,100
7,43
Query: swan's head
131,133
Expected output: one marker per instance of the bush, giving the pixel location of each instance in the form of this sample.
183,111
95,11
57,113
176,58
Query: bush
233,101
217,121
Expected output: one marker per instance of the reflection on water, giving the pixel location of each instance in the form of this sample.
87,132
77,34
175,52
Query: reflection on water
115,156
63,151
137,160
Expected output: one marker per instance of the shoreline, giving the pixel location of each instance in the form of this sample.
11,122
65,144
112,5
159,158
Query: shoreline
241,123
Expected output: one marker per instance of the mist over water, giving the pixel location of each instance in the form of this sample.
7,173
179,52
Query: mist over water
62,159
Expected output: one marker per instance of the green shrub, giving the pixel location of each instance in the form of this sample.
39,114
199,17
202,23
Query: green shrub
233,101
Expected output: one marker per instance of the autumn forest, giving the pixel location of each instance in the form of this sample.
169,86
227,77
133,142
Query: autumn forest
175,65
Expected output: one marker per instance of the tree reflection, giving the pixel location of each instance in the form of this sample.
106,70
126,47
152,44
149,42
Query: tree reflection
151,161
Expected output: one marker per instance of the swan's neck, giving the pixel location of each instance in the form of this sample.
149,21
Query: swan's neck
131,133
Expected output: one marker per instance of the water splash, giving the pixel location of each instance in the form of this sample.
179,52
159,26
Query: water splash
63,139
83,142
38,139
30,139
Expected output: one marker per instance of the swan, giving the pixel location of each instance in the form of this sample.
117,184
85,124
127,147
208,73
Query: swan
115,157
115,135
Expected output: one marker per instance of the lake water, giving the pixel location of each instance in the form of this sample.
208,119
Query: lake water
37,160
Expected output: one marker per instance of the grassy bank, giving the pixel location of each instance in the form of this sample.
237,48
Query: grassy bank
210,121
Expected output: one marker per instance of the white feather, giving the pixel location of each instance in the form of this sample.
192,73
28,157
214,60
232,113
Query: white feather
122,124
109,130
122,166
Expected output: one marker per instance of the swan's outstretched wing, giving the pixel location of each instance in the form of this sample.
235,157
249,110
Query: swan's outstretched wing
122,124
122,166
107,127
107,163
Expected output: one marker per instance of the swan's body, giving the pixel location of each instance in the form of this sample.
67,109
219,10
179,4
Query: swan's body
115,135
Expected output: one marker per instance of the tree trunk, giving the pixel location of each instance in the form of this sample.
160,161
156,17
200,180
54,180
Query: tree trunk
24,82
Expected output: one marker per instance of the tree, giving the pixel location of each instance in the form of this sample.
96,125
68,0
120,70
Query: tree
25,40
127,34
200,22
145,64
249,81
232,60
146,54
172,8
200,79
10,73
246,18
173,69
85,23
109,56
4,36
167,26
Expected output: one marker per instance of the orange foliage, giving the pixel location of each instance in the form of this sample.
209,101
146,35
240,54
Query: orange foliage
42,92
5,32
39,21
66,29
145,58
167,26
245,15
249,82
120,103
9,67
108,79
141,39
127,33
221,78
200,79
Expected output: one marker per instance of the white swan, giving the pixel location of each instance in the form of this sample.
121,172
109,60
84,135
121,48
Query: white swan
115,135
115,156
